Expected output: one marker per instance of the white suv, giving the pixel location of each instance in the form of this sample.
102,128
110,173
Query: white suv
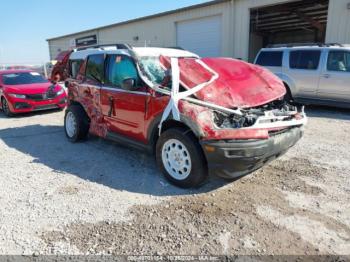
313,74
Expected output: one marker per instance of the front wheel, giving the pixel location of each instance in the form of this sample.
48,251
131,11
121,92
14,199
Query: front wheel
76,124
181,158
5,108
288,96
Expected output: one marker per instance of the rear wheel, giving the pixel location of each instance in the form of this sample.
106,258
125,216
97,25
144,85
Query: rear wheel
76,123
181,158
5,107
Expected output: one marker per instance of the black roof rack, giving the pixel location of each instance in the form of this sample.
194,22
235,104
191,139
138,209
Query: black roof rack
118,46
304,44
176,47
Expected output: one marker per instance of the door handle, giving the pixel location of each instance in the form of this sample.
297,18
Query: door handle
326,75
111,106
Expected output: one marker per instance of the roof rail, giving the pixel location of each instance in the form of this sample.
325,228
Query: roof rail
118,46
304,44
334,44
176,47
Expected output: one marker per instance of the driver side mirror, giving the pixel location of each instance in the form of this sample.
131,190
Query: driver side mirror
129,84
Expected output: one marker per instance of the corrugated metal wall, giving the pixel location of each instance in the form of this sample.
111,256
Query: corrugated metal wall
161,31
63,43
338,27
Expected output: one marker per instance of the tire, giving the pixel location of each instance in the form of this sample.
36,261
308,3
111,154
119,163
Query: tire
76,123
181,159
5,107
288,97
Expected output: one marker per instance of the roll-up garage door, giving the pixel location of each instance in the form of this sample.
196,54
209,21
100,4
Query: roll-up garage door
201,36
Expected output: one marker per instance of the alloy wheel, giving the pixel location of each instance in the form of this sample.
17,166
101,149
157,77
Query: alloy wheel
176,159
71,124
5,107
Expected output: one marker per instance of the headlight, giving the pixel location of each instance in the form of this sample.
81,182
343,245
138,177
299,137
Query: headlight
60,92
17,96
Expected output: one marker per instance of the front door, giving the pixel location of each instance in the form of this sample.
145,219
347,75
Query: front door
335,78
124,108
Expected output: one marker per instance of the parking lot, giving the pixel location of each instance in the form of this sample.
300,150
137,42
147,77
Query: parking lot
99,198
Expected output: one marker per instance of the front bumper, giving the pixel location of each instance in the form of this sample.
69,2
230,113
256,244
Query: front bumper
18,105
235,158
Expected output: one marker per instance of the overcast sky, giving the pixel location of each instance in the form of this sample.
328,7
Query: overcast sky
25,25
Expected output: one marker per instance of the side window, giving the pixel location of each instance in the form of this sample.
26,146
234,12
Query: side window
307,60
338,61
267,58
74,67
95,68
121,67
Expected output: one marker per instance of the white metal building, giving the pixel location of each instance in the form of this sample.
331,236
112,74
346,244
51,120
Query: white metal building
232,28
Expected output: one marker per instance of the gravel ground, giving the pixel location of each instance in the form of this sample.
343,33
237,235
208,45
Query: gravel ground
99,198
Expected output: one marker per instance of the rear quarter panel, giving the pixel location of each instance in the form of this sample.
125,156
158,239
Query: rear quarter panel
88,95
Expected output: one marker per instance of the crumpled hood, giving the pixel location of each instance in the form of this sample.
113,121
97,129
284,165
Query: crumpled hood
30,89
239,85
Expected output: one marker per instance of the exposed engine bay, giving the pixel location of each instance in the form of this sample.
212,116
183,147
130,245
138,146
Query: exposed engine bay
278,110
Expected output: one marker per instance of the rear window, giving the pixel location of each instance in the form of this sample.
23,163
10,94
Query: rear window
267,58
338,61
74,67
23,78
95,68
307,60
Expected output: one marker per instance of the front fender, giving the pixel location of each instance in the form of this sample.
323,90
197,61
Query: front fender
153,128
289,82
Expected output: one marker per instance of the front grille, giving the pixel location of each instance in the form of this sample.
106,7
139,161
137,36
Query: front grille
42,97
51,94
36,97
22,106
45,107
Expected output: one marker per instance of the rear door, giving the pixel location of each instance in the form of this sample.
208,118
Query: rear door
304,69
335,78
124,110
88,84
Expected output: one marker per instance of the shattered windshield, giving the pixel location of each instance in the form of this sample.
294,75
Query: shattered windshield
155,72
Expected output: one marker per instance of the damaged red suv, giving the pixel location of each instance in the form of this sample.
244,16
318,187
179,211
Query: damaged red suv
197,115
23,91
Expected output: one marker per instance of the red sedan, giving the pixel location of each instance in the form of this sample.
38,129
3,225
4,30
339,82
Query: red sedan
23,91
